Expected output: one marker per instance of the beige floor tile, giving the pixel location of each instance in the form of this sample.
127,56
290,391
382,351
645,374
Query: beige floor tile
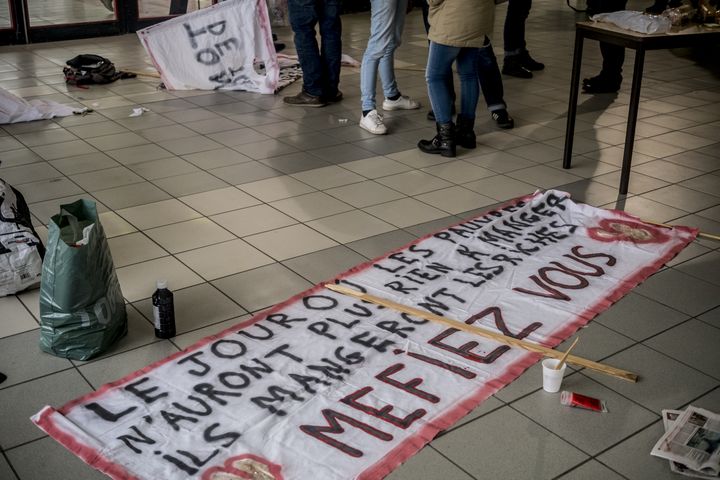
304,240
48,190
364,194
84,163
139,154
130,195
276,188
414,182
133,248
350,226
118,140
108,178
455,200
31,299
33,172
458,171
311,206
139,281
190,183
405,212
183,236
189,144
114,225
15,317
219,201
162,168
221,157
251,220
500,187
417,159
544,176
328,177
376,167
158,214
223,259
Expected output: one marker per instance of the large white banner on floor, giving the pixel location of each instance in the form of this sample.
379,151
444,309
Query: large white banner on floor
328,387
218,48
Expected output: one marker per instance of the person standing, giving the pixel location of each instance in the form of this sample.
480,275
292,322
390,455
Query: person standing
613,56
387,19
518,62
458,29
320,65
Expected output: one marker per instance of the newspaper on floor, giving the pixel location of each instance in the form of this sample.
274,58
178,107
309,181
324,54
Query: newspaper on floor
669,417
693,441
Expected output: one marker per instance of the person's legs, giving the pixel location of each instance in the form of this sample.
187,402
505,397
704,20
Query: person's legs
331,50
303,18
439,67
387,61
425,8
610,77
379,45
492,86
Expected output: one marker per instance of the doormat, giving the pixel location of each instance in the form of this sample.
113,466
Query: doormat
331,387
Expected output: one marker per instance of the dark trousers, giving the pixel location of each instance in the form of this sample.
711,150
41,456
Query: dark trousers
320,65
613,56
514,31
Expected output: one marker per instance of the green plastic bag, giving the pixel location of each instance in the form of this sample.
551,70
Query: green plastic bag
82,311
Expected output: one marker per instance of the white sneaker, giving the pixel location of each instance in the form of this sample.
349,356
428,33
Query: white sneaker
373,123
402,103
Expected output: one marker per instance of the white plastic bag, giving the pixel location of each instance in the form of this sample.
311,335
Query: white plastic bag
20,248
635,21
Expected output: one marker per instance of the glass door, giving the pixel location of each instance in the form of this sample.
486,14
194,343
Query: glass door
10,28
49,20
149,12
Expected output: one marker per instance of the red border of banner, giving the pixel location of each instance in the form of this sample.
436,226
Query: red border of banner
413,443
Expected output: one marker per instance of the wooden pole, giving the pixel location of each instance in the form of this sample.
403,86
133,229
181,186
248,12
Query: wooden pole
513,342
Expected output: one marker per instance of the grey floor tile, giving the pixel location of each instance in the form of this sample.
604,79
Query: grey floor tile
698,347
57,462
596,342
664,382
428,464
680,291
709,401
23,401
705,267
639,317
632,458
197,307
116,367
495,456
591,432
324,265
262,287
712,317
21,359
131,195
379,245
592,470
5,470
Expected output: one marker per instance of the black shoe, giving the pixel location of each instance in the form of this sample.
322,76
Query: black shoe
601,84
530,63
443,143
464,134
503,119
335,98
304,99
2,377
279,47
513,67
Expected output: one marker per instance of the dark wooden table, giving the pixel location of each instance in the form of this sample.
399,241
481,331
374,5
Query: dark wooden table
604,32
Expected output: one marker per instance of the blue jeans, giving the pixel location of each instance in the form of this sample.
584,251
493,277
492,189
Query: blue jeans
514,31
386,25
320,66
490,79
439,69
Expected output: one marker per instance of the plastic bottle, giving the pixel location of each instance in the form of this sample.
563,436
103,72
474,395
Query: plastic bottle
163,311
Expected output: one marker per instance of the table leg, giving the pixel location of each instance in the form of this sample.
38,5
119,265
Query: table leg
572,104
632,120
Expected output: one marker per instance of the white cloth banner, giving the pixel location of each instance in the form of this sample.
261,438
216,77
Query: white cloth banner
324,386
15,109
219,47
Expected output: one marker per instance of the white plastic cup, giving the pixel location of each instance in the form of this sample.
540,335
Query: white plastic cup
552,379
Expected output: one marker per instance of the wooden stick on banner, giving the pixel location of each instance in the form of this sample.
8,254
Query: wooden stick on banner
567,353
513,342
700,234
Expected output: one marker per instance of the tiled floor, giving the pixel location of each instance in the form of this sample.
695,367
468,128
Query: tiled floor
241,202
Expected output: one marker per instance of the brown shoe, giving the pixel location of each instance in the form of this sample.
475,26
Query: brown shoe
335,98
304,99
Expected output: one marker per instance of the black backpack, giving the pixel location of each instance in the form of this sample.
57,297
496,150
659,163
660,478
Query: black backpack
88,68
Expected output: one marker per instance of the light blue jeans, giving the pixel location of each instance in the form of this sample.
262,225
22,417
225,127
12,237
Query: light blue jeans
387,20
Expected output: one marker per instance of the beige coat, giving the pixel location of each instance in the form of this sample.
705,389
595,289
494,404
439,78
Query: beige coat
461,23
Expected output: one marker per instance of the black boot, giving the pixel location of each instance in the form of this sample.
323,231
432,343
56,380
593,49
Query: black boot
465,135
443,143
513,67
